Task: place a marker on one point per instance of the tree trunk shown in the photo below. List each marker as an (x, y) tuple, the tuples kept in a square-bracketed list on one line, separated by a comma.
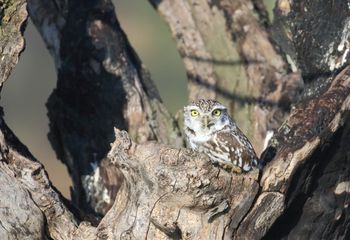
[(30, 208), (101, 84), (147, 189)]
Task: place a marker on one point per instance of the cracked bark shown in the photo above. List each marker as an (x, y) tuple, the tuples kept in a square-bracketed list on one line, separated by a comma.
[(164, 192), (30, 208)]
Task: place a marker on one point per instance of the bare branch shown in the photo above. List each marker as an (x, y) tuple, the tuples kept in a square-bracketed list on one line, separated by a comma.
[(35, 209)]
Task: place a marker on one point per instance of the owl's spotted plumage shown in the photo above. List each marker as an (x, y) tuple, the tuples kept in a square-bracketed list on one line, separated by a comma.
[(209, 129)]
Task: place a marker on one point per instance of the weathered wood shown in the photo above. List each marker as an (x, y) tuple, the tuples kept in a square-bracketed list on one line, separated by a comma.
[(171, 188), (314, 35), (18, 221), (310, 123), (19, 216), (175, 187), (324, 198), (170, 193), (13, 16), (101, 84), (308, 131), (311, 162), (31, 208)]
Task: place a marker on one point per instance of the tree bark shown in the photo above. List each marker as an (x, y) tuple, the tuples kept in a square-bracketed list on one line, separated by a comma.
[(315, 35), (30, 208), (176, 187), (101, 85), (12, 18), (151, 190)]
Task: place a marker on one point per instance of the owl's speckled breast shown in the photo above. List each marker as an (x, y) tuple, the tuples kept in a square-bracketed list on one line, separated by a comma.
[(212, 131)]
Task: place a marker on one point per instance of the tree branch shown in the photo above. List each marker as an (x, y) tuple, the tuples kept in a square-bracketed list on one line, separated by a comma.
[(43, 212), (101, 85), (13, 16), (314, 34), (166, 192), (170, 188)]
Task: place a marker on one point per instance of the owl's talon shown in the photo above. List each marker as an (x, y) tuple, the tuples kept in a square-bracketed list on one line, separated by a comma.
[(227, 166), (231, 168), (236, 169)]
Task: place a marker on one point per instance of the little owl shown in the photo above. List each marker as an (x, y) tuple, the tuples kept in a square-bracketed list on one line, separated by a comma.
[(210, 129)]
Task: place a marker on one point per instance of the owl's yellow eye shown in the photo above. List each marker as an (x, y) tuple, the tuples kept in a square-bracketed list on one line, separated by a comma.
[(216, 112), (194, 113)]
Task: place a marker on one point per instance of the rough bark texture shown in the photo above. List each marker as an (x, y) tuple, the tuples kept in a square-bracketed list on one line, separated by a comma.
[(228, 56), (174, 188), (311, 163), (101, 85), (12, 19), (29, 207), (162, 192), (314, 34)]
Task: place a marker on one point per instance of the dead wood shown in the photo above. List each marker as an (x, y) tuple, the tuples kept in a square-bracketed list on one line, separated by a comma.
[(152, 190), (101, 85)]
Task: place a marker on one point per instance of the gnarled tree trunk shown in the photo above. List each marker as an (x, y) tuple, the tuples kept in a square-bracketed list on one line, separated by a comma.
[(101, 84), (141, 189)]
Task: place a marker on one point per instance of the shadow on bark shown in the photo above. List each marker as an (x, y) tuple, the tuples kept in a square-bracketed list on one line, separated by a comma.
[(167, 192), (101, 85)]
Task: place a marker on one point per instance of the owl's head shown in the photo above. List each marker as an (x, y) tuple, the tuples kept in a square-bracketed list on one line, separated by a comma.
[(205, 116)]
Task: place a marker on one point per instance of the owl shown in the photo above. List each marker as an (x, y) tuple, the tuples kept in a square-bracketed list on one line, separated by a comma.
[(209, 129)]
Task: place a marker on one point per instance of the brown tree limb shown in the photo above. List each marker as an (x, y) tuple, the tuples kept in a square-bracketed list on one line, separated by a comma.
[(171, 188), (300, 142), (311, 123), (314, 34), (177, 193), (13, 16), (29, 206), (37, 205), (101, 85)]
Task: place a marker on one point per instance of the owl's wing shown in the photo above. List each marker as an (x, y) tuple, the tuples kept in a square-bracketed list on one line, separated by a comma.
[(232, 146)]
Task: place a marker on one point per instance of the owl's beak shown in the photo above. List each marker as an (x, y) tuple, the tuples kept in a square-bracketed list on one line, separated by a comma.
[(206, 122)]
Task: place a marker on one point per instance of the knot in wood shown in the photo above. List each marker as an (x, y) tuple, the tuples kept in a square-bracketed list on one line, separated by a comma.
[(165, 178), (127, 235), (187, 155), (120, 146), (170, 157)]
